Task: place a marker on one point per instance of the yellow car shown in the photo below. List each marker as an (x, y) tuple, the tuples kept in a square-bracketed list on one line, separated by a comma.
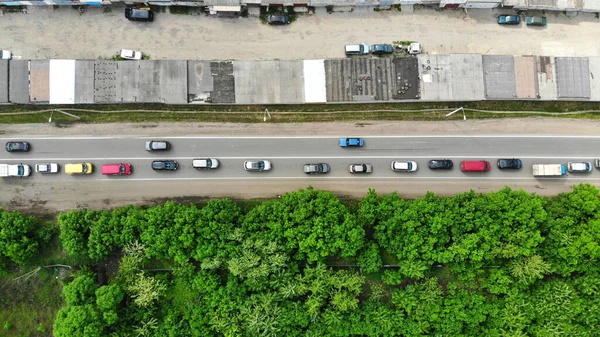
[(79, 168)]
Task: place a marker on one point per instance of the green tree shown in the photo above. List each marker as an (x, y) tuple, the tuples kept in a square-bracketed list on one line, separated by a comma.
[(75, 230), (81, 290), (78, 321), (108, 299), (19, 237), (146, 290)]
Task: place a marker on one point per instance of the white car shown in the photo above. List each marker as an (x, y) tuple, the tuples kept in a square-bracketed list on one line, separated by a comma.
[(5, 55), (579, 167), (404, 166), (361, 168), (205, 163), (131, 54), (257, 165), (46, 168)]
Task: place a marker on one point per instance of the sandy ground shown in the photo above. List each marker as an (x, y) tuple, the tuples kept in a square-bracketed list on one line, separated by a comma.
[(50, 197), (64, 33)]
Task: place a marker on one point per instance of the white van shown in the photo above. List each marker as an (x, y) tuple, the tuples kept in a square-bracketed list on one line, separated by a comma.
[(357, 49), (205, 163)]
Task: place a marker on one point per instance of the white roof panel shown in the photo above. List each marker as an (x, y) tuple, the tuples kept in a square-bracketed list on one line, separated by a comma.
[(62, 81), (315, 90)]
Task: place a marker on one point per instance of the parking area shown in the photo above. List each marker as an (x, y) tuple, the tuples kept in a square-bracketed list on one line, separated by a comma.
[(46, 33)]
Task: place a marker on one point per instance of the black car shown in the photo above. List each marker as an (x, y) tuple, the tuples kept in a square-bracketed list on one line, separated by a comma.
[(316, 168), (165, 165), (139, 14), (17, 146), (509, 163), (441, 164), (279, 20)]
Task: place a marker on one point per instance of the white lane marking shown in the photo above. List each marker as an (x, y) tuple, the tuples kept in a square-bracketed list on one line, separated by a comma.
[(126, 159), (354, 178), (367, 137)]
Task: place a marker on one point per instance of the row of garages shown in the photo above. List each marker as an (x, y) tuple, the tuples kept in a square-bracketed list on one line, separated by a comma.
[(428, 77)]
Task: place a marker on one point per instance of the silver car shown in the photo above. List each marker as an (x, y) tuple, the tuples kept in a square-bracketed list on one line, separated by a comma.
[(361, 168), (579, 167), (160, 145), (404, 166), (257, 165), (205, 163)]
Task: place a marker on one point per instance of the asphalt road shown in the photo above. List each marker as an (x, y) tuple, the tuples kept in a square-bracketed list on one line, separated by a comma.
[(289, 154)]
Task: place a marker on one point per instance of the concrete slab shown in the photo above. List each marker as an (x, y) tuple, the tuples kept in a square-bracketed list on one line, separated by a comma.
[(105, 82), (594, 77), (499, 77), (84, 81), (18, 81), (172, 81), (200, 81), (454, 77), (269, 82), (546, 77), (525, 74), (39, 90), (128, 83), (3, 81), (224, 82), (573, 77)]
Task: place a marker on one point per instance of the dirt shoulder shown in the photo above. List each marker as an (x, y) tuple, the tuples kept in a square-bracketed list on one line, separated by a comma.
[(521, 126)]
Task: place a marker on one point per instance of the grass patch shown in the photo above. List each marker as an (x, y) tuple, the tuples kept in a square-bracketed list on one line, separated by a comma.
[(28, 307), (135, 113)]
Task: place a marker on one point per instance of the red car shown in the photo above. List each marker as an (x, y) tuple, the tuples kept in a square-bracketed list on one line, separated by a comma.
[(475, 166), (116, 169)]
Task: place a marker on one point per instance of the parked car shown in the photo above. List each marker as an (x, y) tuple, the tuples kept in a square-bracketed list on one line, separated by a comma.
[(157, 145), (129, 54), (278, 20), (535, 21), (509, 163), (116, 169), (351, 142), (316, 168), (205, 163), (404, 166), (361, 168), (509, 19), (257, 165), (17, 146), (139, 14), (579, 167), (383, 48), (475, 166), (5, 55), (165, 165), (357, 49), (441, 164), (46, 168)]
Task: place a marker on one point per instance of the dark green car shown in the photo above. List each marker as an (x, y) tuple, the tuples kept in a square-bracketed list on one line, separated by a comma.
[(536, 21)]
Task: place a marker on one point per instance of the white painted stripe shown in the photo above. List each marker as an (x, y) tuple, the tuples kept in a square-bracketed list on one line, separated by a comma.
[(263, 176), (126, 159)]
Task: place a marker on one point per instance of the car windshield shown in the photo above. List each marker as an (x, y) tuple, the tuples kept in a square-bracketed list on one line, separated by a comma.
[(84, 167), (122, 168), (208, 162), (21, 170), (260, 165)]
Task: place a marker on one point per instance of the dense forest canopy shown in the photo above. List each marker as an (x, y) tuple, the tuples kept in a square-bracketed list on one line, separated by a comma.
[(505, 263)]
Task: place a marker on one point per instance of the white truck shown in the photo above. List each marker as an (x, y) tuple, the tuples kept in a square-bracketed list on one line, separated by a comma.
[(14, 170), (549, 170)]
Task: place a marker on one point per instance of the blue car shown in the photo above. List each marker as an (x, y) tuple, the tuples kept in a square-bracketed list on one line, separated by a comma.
[(346, 142), (509, 19)]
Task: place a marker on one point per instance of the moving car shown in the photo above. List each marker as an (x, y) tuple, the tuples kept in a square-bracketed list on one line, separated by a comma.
[(509, 163), (579, 167), (129, 54), (509, 19), (441, 164), (116, 169), (46, 168), (5, 55), (79, 168), (361, 168), (165, 165), (205, 163), (316, 168), (348, 142), (357, 49), (535, 21), (382, 48), (279, 20), (404, 166), (157, 145), (257, 165), (475, 166), (17, 146), (139, 14)]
